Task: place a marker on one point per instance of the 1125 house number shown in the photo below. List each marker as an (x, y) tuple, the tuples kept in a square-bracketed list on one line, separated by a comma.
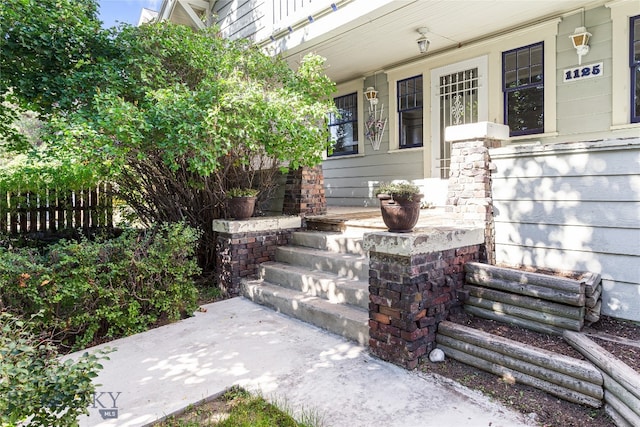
[(584, 72)]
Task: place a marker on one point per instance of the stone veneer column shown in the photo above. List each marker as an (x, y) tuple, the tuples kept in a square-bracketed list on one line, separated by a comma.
[(469, 194), (304, 192), (414, 280), (242, 245)]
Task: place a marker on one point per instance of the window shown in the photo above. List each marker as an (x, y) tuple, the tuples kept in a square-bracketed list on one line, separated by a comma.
[(343, 126), (523, 87), (410, 112), (635, 68)]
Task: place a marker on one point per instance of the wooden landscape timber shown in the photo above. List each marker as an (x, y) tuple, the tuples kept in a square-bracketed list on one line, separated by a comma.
[(566, 377), (593, 292), (621, 382), (486, 272), (592, 283), (541, 302), (592, 315), (563, 310), (526, 313), (513, 320)]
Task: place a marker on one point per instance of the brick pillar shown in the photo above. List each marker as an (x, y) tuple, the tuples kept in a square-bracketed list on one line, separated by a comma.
[(469, 194), (304, 192), (414, 281), (242, 245)]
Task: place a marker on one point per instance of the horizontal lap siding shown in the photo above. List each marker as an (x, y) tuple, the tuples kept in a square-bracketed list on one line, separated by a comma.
[(575, 208), (240, 19), (585, 106), (563, 212), (353, 181)]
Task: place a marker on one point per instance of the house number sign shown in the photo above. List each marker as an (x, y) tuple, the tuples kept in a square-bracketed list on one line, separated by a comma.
[(583, 72)]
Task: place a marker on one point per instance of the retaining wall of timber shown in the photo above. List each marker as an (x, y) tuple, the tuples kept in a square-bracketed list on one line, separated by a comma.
[(566, 377), (621, 382), (541, 302)]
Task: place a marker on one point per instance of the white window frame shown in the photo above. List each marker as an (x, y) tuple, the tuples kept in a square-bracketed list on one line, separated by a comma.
[(393, 77), (621, 12), (481, 63)]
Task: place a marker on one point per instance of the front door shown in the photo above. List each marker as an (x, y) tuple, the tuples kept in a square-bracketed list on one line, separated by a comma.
[(459, 96)]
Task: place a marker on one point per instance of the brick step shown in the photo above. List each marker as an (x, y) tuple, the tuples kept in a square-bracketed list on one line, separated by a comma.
[(315, 283), (345, 320), (351, 266)]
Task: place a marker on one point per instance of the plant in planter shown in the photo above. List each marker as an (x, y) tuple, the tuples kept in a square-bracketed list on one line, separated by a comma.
[(400, 205), (242, 202)]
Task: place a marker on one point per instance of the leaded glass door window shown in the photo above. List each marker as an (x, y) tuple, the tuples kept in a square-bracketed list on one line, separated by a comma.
[(459, 97), (458, 106)]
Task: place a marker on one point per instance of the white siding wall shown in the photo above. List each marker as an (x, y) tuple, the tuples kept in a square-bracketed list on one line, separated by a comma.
[(573, 207), (240, 19), (258, 20), (585, 106)]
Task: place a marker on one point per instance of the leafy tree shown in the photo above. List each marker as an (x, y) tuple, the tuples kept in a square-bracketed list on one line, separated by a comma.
[(172, 116), (43, 43)]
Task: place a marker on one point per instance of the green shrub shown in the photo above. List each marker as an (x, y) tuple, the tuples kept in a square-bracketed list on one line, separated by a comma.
[(88, 290), (404, 189), (35, 383)]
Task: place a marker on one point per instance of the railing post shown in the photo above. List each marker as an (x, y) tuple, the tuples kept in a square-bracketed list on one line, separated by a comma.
[(469, 194), (414, 279), (304, 192), (242, 245)]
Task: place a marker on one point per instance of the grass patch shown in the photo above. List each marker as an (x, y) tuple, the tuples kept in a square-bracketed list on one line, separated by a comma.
[(238, 408)]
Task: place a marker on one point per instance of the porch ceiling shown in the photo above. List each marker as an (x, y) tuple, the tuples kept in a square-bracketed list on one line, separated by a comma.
[(387, 36)]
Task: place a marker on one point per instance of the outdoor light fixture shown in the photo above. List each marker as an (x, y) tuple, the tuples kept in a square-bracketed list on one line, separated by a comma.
[(372, 95), (580, 40), (375, 124), (423, 41)]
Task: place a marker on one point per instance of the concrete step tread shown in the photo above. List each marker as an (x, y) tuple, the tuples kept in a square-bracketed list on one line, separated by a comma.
[(314, 252), (345, 265), (330, 241), (345, 309), (342, 319), (341, 281), (317, 283)]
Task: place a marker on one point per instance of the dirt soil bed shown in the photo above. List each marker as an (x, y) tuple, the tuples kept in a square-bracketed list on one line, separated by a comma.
[(620, 338)]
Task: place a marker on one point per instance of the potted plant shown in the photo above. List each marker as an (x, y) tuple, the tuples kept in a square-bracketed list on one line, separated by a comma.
[(400, 205), (242, 202)]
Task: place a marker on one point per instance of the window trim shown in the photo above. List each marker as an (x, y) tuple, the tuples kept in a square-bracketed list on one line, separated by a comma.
[(481, 63), (621, 11), (634, 68), (346, 88), (506, 91), (356, 150), (399, 113)]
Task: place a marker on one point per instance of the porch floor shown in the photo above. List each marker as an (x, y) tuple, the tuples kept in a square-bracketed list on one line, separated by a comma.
[(367, 219)]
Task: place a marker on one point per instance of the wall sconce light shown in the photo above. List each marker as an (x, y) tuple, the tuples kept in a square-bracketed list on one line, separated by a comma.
[(372, 95), (375, 124), (423, 41), (580, 40)]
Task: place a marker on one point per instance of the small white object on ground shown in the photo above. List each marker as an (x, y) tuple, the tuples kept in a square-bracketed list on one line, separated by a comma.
[(436, 355)]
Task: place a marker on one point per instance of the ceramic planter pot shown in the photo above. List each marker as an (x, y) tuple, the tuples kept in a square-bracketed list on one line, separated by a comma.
[(242, 207), (399, 214)]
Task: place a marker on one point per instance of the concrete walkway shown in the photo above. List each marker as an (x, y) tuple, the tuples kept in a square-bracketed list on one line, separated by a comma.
[(163, 370)]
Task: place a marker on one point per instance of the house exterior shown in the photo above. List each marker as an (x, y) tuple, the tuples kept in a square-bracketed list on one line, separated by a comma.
[(566, 184)]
